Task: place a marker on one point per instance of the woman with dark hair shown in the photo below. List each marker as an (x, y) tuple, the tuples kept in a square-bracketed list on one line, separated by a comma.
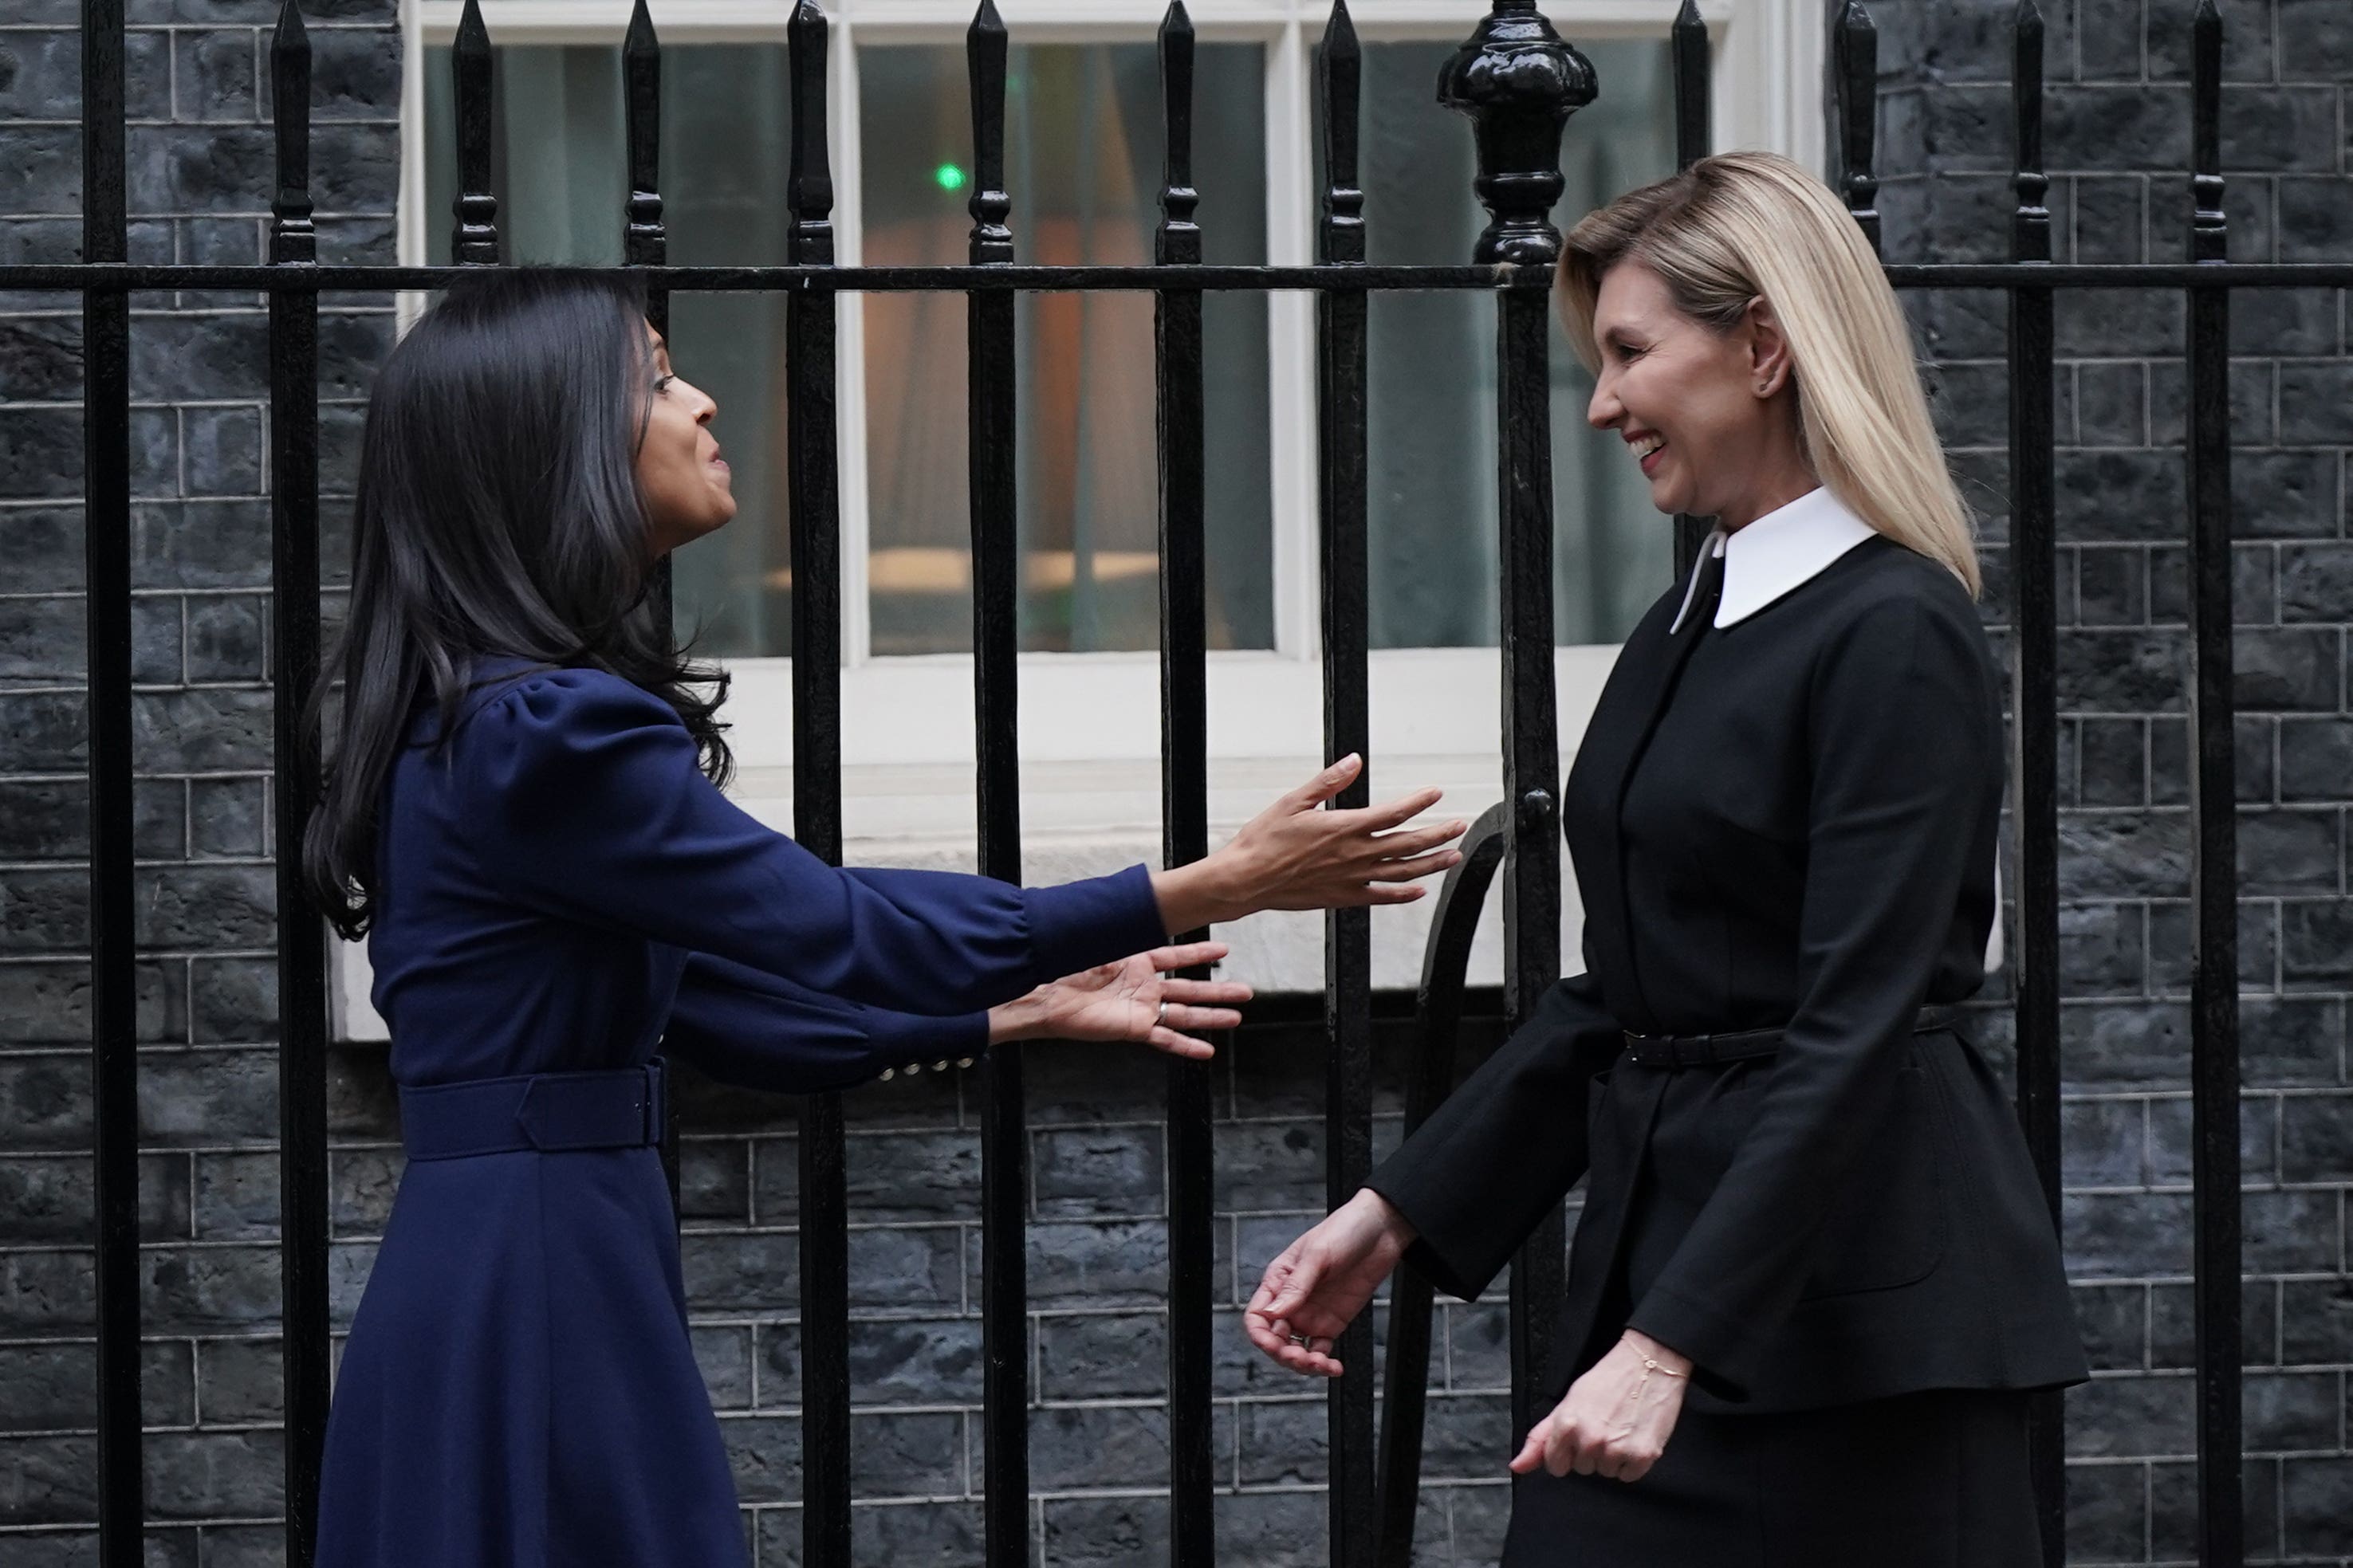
[(522, 814)]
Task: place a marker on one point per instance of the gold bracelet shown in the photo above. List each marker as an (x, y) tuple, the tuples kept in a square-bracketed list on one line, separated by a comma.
[(1651, 1365)]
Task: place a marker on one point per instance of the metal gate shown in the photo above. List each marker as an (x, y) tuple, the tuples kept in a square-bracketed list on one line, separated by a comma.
[(1517, 82)]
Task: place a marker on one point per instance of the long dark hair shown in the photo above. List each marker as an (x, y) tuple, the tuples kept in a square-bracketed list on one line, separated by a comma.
[(498, 514)]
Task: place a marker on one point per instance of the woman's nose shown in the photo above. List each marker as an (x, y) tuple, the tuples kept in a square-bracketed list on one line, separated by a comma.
[(1602, 410)]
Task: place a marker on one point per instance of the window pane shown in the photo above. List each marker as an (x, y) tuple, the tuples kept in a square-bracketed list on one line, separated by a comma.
[(1432, 401), (1083, 161), (724, 140)]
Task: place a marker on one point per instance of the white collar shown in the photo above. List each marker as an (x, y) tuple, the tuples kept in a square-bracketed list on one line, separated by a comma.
[(1780, 551)]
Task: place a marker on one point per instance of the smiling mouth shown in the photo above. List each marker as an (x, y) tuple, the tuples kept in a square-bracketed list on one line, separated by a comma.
[(1646, 451)]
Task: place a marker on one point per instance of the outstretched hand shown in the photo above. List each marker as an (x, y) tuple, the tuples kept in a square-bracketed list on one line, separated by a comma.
[(1323, 1280), (1134, 999), (1299, 854)]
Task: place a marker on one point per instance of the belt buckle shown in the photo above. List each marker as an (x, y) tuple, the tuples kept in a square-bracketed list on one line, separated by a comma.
[(657, 1101)]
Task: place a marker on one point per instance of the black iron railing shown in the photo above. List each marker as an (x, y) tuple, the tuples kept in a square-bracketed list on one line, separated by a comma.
[(1518, 83)]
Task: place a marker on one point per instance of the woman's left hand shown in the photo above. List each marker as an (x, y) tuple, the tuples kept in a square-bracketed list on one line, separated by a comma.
[(1134, 999), (1615, 1420)]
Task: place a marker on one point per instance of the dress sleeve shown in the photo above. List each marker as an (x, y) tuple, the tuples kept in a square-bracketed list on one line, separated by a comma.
[(1905, 721), (587, 805), (745, 1028), (1472, 1206)]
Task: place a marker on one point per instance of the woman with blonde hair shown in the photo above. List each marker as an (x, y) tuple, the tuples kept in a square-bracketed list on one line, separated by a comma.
[(1814, 1277)]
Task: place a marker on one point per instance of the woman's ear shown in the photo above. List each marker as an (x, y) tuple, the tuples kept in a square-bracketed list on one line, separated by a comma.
[(1769, 364)]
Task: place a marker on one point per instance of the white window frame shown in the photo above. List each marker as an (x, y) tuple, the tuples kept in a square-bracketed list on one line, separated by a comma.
[(901, 711)]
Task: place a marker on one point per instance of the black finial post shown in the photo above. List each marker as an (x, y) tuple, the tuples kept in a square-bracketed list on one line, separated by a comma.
[(1519, 83), (991, 204), (1339, 82), (808, 190), (644, 241), (1857, 65), (2031, 223), (291, 236), (1178, 240), (475, 239), (1693, 72)]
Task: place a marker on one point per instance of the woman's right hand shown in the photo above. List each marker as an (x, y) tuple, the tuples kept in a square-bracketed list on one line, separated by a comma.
[(1294, 856), (1323, 1280)]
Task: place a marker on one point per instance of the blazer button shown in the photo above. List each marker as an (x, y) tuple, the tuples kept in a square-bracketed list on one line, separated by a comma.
[(941, 1065), (965, 1062), (889, 1073), (913, 1067)]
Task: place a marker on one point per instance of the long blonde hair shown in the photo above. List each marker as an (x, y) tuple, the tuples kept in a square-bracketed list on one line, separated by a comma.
[(1739, 226)]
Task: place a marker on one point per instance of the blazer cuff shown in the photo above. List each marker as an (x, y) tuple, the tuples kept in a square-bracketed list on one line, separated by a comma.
[(1437, 1253), (1719, 1348), (901, 1043), (1077, 925)]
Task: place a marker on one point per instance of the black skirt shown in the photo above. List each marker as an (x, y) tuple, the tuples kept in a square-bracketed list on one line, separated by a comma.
[(1924, 1480)]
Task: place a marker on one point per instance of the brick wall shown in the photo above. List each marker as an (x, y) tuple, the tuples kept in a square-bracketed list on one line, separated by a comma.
[(1098, 1262), (2117, 138)]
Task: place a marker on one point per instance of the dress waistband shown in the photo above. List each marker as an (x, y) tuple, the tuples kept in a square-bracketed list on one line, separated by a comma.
[(1676, 1051), (623, 1108)]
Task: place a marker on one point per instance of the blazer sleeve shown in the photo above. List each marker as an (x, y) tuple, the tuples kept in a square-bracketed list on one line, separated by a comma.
[(1475, 1178), (1905, 743), (587, 805), (743, 1026)]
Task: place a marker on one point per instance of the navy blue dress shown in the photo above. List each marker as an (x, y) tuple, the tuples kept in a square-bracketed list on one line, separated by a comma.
[(561, 890)]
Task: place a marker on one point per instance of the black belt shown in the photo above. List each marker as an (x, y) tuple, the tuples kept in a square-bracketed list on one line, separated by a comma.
[(550, 1111), (1674, 1051)]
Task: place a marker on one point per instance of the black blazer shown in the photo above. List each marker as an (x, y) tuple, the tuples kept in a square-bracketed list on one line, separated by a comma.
[(1787, 821)]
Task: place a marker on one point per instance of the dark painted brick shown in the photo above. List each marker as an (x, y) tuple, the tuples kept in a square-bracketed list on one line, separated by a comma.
[(207, 906), (226, 817), (2317, 403), (2316, 943), (2316, 39), (210, 1097), (203, 1289), (2170, 927), (2316, 582), (2316, 1138), (2114, 1044), (224, 451), (227, 639), (43, 548), (364, 1183), (2317, 1495), (2293, 851), (2171, 1140), (2286, 1041), (40, 452), (45, 820), (1111, 1171), (200, 545), (2292, 1233), (2104, 1143), (2114, 762), (2134, 1415), (2103, 949), (215, 73), (158, 642), (2122, 672), (2111, 405), (2287, 669), (2112, 127), (2316, 1321), (2283, 494), (2114, 1323), (2140, 854)]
